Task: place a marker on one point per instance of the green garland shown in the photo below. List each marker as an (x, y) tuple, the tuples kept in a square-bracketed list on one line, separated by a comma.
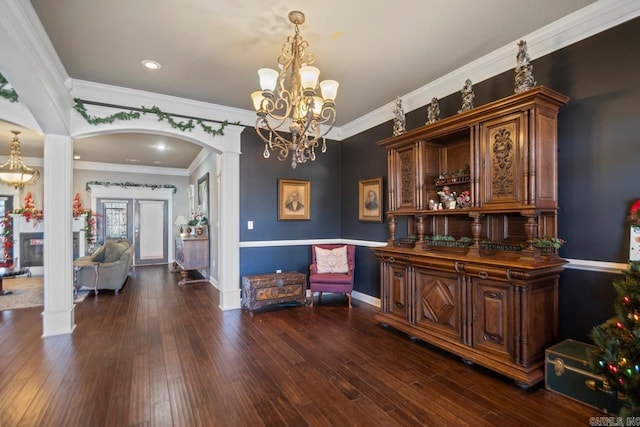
[(132, 115), (130, 185), (184, 126), (9, 94)]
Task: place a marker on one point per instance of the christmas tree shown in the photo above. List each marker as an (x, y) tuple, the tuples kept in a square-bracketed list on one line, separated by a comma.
[(618, 339)]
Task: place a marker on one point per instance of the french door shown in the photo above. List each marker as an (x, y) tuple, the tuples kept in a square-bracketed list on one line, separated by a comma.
[(142, 222)]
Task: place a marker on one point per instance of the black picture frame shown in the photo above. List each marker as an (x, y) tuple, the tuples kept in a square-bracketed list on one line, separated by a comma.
[(203, 195)]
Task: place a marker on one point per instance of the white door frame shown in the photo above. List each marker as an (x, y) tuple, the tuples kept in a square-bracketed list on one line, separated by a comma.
[(103, 192)]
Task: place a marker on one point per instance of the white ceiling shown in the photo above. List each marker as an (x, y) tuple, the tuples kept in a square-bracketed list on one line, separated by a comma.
[(210, 51)]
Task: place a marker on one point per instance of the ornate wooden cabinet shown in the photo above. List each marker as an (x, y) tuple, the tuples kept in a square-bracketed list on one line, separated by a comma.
[(469, 276)]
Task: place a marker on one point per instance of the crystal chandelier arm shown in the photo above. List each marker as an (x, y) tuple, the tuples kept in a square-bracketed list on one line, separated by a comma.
[(327, 117), (266, 134)]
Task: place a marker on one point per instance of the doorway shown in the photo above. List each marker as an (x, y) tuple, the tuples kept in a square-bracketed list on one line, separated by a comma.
[(151, 232), (142, 222)]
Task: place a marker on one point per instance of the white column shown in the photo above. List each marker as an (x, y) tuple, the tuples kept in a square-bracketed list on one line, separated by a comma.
[(229, 233), (59, 312)]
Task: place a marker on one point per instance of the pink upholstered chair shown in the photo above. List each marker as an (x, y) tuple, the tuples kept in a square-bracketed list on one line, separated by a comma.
[(330, 271)]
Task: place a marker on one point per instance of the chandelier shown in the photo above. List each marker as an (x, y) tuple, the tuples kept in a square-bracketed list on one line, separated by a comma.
[(289, 97), (14, 172)]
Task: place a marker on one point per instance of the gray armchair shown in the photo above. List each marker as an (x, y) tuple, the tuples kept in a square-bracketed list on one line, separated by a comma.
[(113, 259)]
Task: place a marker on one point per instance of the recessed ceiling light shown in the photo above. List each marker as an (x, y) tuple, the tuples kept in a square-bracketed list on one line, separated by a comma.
[(76, 157), (151, 64), (133, 160), (161, 147), (157, 162)]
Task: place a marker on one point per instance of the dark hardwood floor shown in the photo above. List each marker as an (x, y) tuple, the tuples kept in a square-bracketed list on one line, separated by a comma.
[(157, 354)]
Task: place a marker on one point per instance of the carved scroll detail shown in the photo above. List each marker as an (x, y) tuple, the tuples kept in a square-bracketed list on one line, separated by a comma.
[(503, 163), (407, 177)]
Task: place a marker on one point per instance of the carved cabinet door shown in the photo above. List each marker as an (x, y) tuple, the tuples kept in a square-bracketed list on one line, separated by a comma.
[(492, 316), (405, 177), (438, 303), (395, 289), (504, 157)]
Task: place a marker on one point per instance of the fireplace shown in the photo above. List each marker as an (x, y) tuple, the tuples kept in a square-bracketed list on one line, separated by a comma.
[(31, 249)]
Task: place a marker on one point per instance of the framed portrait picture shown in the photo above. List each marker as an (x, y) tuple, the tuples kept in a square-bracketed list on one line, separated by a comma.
[(294, 200), (203, 195), (370, 200)]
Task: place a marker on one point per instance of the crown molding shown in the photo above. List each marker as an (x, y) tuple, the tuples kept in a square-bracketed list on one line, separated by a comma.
[(26, 46), (133, 98), (200, 158), (128, 169), (584, 23)]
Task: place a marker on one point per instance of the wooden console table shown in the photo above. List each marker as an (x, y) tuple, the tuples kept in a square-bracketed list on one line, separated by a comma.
[(192, 253), (267, 289)]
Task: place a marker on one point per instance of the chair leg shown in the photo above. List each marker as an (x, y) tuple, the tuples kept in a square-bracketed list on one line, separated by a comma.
[(349, 299), (311, 300)]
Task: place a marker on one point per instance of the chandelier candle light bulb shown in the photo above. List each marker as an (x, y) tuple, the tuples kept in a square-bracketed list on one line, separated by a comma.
[(268, 79), (298, 105)]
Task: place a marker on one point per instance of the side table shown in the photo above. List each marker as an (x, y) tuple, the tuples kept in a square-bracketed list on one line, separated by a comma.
[(77, 266)]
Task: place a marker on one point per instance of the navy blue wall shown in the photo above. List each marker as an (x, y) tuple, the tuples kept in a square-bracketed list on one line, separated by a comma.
[(259, 203), (259, 193), (363, 159), (598, 162)]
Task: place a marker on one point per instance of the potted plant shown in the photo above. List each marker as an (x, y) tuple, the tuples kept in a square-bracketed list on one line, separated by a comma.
[(197, 224), (548, 245)]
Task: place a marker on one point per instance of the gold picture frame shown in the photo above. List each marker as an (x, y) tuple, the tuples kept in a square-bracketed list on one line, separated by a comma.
[(370, 199), (294, 200)]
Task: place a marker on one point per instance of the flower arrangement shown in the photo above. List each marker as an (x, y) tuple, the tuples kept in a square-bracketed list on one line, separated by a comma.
[(197, 220), (634, 214), (29, 211)]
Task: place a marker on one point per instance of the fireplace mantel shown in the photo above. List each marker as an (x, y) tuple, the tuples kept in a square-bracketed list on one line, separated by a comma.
[(21, 226)]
